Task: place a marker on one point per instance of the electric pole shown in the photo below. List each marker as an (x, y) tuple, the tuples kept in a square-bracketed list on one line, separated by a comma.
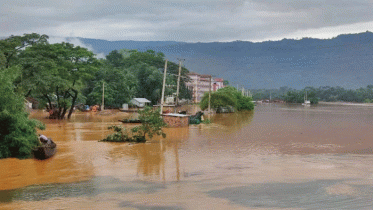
[(210, 96), (164, 85), (178, 82), (103, 96)]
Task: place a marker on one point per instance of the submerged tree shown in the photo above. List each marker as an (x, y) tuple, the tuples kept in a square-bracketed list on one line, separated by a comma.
[(151, 124)]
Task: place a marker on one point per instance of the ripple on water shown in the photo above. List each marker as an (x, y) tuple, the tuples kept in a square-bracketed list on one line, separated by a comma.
[(320, 194), (93, 187)]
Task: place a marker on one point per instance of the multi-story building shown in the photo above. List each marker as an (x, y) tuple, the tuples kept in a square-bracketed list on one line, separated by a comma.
[(199, 84)]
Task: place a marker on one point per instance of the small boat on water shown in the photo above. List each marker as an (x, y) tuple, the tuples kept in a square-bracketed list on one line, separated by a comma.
[(130, 121), (45, 151)]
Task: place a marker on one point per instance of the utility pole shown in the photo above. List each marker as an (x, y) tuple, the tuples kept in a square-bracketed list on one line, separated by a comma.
[(196, 94), (178, 83), (164, 85), (210, 96), (103, 96)]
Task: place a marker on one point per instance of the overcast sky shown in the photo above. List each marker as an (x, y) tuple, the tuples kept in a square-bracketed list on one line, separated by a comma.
[(188, 21)]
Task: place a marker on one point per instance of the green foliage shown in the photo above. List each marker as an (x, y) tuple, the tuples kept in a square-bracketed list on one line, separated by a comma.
[(2, 60), (13, 45), (228, 96), (293, 97), (151, 124), (115, 59), (120, 87), (120, 135), (244, 103), (150, 82), (207, 121), (331, 94), (314, 100), (218, 99), (56, 72), (129, 74), (18, 133)]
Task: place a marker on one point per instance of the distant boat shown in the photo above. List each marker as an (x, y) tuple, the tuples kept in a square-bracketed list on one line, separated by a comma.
[(306, 102), (45, 151)]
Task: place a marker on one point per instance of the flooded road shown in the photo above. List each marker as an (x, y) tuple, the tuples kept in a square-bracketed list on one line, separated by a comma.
[(277, 157)]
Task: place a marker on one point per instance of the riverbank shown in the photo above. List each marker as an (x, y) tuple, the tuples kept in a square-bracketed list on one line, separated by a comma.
[(346, 103)]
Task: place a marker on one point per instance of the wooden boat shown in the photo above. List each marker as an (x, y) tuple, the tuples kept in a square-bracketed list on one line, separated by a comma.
[(130, 121), (45, 151)]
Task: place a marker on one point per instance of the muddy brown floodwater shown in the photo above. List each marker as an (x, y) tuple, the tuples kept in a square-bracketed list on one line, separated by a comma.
[(277, 157)]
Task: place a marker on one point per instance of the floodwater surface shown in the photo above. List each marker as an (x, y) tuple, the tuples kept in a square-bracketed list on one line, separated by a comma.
[(276, 157)]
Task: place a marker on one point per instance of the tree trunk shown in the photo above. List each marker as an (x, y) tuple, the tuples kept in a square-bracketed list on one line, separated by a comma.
[(75, 96), (62, 116), (49, 101)]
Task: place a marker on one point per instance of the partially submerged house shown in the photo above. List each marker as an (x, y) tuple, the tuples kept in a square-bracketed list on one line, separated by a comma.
[(140, 102)]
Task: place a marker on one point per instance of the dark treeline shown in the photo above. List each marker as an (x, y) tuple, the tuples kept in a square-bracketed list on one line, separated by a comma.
[(323, 93)]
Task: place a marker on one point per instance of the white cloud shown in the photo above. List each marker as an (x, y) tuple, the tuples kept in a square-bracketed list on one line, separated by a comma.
[(251, 20)]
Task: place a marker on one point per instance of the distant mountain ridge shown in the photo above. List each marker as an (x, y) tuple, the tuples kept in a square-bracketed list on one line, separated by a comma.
[(346, 60)]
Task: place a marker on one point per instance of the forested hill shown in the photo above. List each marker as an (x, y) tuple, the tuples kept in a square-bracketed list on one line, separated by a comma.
[(346, 60)]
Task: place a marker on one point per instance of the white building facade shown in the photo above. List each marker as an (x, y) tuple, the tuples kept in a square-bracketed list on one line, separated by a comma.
[(199, 84)]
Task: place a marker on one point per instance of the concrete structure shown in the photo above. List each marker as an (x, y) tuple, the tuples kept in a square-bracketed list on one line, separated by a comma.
[(199, 84), (140, 102)]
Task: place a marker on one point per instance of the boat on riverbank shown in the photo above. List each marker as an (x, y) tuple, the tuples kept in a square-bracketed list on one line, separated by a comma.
[(45, 151)]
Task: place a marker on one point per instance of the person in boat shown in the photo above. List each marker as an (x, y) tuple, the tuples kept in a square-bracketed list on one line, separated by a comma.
[(43, 139)]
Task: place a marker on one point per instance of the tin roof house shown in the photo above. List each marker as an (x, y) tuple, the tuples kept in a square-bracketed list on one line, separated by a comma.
[(140, 102)]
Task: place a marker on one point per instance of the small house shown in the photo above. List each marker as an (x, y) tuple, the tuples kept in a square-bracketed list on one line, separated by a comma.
[(140, 102)]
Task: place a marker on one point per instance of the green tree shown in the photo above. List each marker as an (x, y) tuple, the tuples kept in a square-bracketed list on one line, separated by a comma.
[(227, 96), (115, 58), (150, 82), (2, 60), (13, 45), (218, 99), (18, 134), (120, 87), (135, 61), (151, 124), (57, 72)]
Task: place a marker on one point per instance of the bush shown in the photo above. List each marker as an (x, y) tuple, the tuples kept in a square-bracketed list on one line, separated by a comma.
[(18, 133), (228, 96), (151, 124)]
